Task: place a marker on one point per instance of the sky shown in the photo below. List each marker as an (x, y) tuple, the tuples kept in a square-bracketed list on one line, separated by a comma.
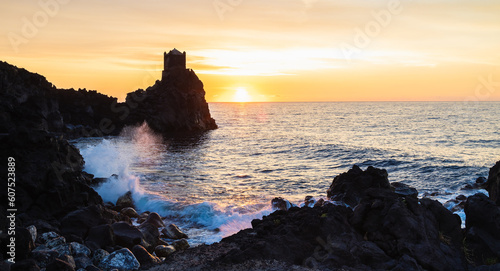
[(264, 50)]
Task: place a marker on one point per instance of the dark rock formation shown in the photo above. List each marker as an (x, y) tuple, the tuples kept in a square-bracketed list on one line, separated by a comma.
[(493, 184), (173, 232), (482, 240), (385, 231), (145, 259), (351, 187), (126, 235), (174, 104)]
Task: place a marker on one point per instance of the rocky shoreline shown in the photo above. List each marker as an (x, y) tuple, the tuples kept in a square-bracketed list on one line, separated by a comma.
[(61, 223)]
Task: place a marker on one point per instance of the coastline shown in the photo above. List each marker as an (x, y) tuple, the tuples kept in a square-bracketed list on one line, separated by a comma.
[(365, 223)]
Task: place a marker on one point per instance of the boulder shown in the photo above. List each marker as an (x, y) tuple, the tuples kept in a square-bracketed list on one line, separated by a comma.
[(173, 232), (164, 251), (180, 244), (155, 220), (493, 184), (123, 260), (151, 236), (351, 187), (145, 259), (125, 201), (404, 190), (482, 240), (130, 212), (102, 235), (127, 235), (80, 221)]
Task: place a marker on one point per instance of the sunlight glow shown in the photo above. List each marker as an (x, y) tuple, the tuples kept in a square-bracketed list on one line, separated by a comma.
[(241, 96)]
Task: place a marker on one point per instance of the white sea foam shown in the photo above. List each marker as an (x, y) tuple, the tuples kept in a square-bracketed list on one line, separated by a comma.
[(205, 222)]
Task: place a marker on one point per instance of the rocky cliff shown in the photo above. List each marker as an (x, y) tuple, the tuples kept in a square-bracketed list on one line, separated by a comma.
[(174, 104)]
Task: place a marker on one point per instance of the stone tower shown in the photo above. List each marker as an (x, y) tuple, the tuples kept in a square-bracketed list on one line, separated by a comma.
[(173, 60)]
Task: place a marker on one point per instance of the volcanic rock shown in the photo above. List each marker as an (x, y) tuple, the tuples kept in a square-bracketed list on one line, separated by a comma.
[(493, 184), (351, 187)]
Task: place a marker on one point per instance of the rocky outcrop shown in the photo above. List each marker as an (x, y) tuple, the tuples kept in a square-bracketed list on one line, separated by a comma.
[(493, 183), (51, 182), (174, 104), (352, 186), (482, 240), (385, 227)]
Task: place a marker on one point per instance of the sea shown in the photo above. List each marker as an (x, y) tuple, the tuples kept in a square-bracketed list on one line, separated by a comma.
[(214, 184)]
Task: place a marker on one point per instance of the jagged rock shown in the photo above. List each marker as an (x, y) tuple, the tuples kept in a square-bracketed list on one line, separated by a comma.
[(130, 212), (173, 232), (125, 201), (33, 232), (151, 236), (164, 251), (45, 237), (98, 256), (180, 244), (80, 221), (493, 184), (174, 104), (102, 235), (122, 259), (280, 204), (53, 182), (126, 235), (145, 259), (56, 242), (79, 250), (385, 231), (404, 190), (482, 240), (351, 187), (155, 220)]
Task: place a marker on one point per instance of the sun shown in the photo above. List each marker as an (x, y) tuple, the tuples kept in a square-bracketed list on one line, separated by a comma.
[(241, 96)]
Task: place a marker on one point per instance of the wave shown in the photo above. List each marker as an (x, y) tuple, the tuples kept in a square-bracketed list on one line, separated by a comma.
[(205, 222)]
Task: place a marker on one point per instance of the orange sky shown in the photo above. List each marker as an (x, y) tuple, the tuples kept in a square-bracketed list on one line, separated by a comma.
[(294, 50)]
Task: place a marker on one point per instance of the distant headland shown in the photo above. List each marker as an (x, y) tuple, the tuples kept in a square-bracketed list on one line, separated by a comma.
[(174, 104)]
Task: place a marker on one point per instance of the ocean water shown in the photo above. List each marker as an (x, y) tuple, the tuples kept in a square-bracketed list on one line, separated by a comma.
[(212, 185)]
